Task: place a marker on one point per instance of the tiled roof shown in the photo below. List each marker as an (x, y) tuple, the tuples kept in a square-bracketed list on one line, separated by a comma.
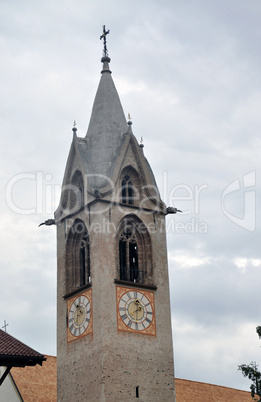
[(37, 383), (201, 392), (13, 352)]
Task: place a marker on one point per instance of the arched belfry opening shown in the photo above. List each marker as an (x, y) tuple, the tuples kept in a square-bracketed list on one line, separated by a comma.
[(78, 269), (130, 186), (134, 248)]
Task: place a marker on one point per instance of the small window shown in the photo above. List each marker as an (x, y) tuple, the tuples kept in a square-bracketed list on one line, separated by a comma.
[(129, 186), (127, 192)]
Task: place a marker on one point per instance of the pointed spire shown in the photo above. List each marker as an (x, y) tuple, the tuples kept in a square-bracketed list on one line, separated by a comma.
[(107, 124)]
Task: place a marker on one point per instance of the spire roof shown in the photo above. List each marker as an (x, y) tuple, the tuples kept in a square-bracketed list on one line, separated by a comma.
[(107, 124)]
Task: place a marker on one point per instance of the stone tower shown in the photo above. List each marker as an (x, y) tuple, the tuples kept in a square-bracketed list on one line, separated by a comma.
[(114, 340)]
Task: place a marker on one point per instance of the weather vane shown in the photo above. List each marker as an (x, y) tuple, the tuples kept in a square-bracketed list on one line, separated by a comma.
[(105, 33)]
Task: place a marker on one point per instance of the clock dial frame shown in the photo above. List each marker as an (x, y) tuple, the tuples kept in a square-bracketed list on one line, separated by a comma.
[(79, 313), (135, 310)]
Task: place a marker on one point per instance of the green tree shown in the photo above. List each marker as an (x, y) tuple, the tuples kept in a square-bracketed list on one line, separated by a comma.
[(251, 371)]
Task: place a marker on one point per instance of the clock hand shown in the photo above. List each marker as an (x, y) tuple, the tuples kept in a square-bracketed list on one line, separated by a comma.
[(135, 311), (77, 314)]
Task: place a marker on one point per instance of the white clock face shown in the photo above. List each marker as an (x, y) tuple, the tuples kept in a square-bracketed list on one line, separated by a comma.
[(79, 315), (135, 310)]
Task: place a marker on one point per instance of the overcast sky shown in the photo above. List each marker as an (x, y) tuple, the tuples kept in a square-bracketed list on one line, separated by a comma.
[(188, 72)]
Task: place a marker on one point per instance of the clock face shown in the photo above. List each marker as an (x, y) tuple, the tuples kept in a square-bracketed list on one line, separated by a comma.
[(136, 311), (79, 316)]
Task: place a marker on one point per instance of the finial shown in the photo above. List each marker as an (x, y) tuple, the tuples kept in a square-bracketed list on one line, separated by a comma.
[(129, 124), (74, 129), (103, 36), (141, 142)]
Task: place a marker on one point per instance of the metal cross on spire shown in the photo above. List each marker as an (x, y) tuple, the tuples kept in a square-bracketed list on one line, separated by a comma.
[(5, 325), (105, 33)]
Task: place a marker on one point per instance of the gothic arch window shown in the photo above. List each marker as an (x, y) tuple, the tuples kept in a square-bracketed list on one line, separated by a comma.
[(135, 257), (78, 269), (127, 192), (129, 261), (130, 185)]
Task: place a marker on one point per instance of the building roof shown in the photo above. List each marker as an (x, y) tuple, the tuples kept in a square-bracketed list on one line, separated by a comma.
[(199, 391), (16, 354), (37, 383)]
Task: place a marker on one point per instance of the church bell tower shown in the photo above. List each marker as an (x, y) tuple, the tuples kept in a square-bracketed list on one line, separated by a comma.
[(114, 340)]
